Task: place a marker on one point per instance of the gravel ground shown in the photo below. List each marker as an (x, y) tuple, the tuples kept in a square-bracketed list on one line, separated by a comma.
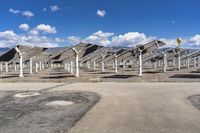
[(31, 115)]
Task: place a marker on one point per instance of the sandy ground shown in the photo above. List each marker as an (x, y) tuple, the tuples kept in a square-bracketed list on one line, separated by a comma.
[(134, 107)]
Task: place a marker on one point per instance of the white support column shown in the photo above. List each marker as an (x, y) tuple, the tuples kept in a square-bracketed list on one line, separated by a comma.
[(21, 66), (6, 65), (174, 62), (140, 63), (179, 61), (164, 63), (36, 67), (116, 64), (102, 66), (15, 67), (65, 66), (124, 64), (195, 62), (188, 63), (198, 61), (159, 64), (102, 63), (71, 67), (40, 65), (1, 67), (154, 65), (94, 65), (113, 64), (77, 62), (77, 66), (68, 67), (88, 65), (31, 66), (20, 63)]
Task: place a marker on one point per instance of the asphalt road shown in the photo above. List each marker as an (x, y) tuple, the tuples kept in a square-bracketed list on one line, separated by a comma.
[(38, 113), (137, 107)]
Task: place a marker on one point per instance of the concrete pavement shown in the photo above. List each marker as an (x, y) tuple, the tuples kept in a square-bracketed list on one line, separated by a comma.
[(134, 107), (140, 108)]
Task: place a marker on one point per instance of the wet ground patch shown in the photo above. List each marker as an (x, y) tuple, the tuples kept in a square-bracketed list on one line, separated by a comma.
[(35, 113)]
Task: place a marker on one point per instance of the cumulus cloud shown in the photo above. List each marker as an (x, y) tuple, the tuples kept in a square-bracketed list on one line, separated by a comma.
[(195, 40), (14, 11), (131, 39), (27, 14), (11, 39), (46, 28), (59, 40), (72, 40), (24, 27), (43, 28), (101, 13), (54, 8), (23, 13), (100, 37), (34, 32)]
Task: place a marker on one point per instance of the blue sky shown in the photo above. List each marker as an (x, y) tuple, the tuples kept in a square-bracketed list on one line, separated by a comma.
[(118, 22)]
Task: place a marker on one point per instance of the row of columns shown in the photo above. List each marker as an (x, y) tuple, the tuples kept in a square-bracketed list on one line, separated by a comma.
[(187, 62)]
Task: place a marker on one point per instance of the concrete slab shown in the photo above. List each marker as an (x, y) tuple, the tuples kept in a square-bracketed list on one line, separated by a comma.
[(140, 108), (135, 107)]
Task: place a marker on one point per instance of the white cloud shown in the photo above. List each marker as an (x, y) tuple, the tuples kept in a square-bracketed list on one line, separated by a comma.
[(46, 28), (169, 42), (23, 13), (131, 39), (101, 38), (44, 9), (195, 40), (101, 13), (11, 39), (14, 11), (54, 8), (72, 40), (27, 14), (24, 27), (43, 28), (59, 40), (7, 34), (33, 32)]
